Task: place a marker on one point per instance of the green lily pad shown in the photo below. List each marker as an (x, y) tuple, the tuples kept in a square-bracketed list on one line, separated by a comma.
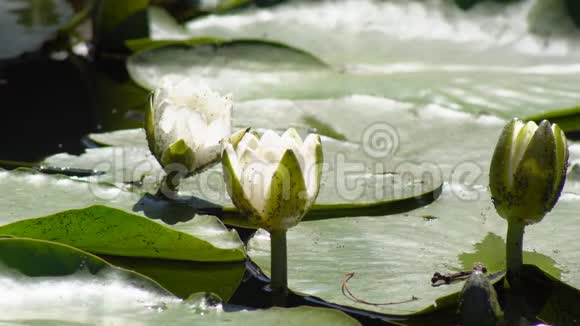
[(181, 315), (55, 284), (568, 119), (183, 278), (492, 251), (108, 231), (116, 302), (405, 251), (37, 258), (405, 248), (269, 63), (470, 67), (444, 111), (183, 263)]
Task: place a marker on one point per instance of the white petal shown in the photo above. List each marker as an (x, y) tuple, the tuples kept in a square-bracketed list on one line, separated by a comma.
[(290, 136), (270, 139), (217, 131), (271, 148), (292, 141), (527, 130), (182, 123), (249, 141), (159, 96), (256, 179)]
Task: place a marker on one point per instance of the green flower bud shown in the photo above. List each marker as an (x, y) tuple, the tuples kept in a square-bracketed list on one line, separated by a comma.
[(186, 124), (274, 180), (528, 170)]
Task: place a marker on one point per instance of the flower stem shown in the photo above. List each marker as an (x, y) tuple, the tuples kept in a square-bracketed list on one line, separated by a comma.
[(515, 238), (279, 267), (515, 300)]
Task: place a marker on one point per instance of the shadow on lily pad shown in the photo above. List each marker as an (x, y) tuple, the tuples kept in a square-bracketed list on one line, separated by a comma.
[(172, 211)]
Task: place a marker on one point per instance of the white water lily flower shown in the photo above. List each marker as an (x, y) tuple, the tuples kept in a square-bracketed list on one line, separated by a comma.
[(528, 170), (274, 180), (186, 123)]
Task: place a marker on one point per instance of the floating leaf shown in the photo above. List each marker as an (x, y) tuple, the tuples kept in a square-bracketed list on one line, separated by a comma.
[(519, 71), (567, 119), (108, 231), (262, 59), (394, 258), (38, 258), (491, 252)]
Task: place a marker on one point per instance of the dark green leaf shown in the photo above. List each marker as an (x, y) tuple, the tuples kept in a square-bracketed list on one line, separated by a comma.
[(568, 119), (183, 278), (109, 231), (36, 258)]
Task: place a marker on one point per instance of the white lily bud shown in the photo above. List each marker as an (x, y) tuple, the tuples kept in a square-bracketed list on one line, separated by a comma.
[(528, 170), (186, 123), (274, 180)]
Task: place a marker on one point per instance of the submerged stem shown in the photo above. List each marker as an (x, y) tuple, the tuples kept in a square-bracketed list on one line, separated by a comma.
[(279, 267), (515, 239)]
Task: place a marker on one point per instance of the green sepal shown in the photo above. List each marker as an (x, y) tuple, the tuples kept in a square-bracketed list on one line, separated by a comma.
[(287, 197), (498, 171), (178, 153), (236, 137), (236, 191), (562, 156)]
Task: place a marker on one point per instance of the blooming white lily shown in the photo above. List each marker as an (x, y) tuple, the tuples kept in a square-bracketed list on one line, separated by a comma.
[(528, 170), (186, 123), (274, 180)]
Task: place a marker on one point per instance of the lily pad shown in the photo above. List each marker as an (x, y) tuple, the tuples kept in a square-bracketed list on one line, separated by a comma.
[(182, 315), (568, 119), (394, 258), (269, 63), (515, 67), (405, 248), (108, 231), (492, 251), (182, 278), (35, 302), (55, 284), (37, 258), (183, 263)]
